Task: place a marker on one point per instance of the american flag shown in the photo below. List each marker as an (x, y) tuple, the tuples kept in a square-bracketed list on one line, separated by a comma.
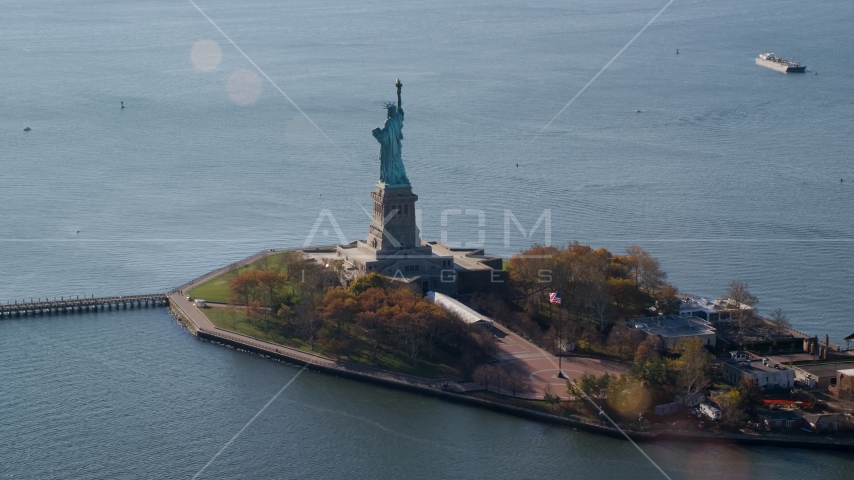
[(554, 297)]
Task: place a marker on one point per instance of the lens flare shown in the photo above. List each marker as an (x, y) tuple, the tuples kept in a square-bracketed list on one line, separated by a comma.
[(206, 55), (244, 87)]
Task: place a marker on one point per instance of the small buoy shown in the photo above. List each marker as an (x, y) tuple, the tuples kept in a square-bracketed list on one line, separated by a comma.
[(637, 111), (677, 51), (815, 73), (123, 104), (78, 232), (517, 165), (27, 129)]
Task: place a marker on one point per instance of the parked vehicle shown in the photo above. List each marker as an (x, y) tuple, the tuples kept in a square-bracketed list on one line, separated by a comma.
[(712, 412)]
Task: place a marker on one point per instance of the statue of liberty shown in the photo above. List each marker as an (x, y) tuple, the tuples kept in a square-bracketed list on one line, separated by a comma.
[(392, 172)]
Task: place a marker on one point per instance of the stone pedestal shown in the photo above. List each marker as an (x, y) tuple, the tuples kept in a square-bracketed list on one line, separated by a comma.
[(393, 225)]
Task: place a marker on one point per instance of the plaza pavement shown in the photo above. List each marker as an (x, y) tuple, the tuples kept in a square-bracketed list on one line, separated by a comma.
[(520, 356)]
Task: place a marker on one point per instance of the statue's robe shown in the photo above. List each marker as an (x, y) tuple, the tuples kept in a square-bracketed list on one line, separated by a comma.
[(390, 136)]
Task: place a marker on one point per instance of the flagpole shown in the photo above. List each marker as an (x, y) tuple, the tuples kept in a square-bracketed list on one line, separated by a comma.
[(559, 347)]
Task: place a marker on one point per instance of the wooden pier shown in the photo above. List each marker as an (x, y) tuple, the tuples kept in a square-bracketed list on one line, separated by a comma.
[(64, 305)]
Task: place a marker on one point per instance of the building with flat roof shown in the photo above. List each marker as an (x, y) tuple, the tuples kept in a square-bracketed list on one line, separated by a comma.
[(820, 375), (781, 418), (765, 376), (674, 329), (717, 310), (459, 310), (825, 422)]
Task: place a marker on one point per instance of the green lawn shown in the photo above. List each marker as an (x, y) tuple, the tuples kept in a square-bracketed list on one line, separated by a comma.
[(359, 351), (216, 289)]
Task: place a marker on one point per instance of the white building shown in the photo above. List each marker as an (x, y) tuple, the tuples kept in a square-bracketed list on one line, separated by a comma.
[(716, 310), (458, 309), (765, 376), (675, 329)]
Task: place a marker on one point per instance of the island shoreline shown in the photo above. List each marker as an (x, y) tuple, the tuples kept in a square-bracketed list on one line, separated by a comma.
[(647, 437)]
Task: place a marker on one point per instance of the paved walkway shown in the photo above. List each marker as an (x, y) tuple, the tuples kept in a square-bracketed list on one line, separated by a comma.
[(520, 356)]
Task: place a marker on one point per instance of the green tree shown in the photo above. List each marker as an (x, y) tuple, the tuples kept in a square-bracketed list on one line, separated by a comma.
[(270, 282), (731, 404), (595, 387), (655, 371), (365, 282), (749, 391), (627, 395)]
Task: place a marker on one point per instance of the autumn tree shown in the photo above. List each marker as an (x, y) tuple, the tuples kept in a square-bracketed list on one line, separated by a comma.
[(846, 388), (739, 298), (694, 366), (780, 321), (374, 326), (668, 303), (245, 287), (485, 375), (516, 383), (435, 328), (254, 310), (623, 341), (339, 309), (410, 332), (649, 349), (308, 321), (534, 272), (645, 269)]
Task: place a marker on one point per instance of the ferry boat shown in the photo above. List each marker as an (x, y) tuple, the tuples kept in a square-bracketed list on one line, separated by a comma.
[(771, 61)]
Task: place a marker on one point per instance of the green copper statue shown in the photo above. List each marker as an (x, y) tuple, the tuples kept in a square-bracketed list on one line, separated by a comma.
[(392, 173)]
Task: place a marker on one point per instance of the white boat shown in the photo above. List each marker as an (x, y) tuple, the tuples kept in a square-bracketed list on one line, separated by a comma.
[(771, 61)]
